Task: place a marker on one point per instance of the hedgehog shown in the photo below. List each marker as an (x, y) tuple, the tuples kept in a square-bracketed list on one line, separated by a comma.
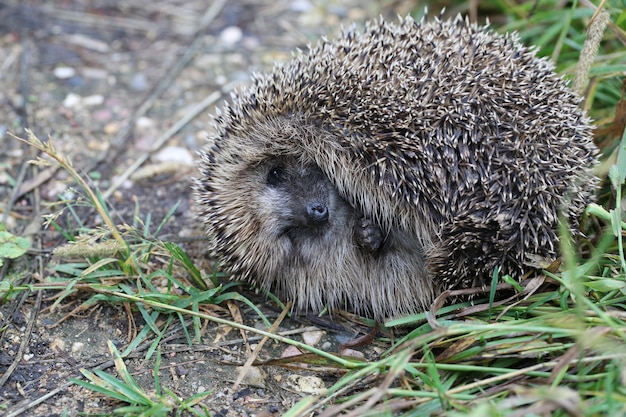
[(387, 165)]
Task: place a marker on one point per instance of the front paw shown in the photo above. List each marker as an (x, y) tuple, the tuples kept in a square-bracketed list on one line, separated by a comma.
[(368, 235)]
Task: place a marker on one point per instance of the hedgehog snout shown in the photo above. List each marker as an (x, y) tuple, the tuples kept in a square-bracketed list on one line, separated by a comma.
[(317, 212)]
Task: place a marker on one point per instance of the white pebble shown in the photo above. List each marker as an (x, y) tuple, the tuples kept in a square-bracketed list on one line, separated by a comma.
[(94, 100), (64, 73), (71, 100), (312, 338), (301, 6), (231, 35), (353, 353), (174, 154), (144, 123)]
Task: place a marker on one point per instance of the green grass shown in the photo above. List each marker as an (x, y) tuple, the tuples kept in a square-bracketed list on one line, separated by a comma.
[(560, 352), (160, 403)]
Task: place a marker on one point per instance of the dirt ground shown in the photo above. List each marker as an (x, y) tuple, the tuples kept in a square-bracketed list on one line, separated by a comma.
[(115, 82)]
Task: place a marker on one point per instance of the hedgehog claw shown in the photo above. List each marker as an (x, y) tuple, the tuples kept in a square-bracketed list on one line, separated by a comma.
[(368, 235)]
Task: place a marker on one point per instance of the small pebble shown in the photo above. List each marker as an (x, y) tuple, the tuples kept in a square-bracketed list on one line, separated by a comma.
[(312, 338), (71, 100), (76, 82), (353, 353), (144, 123), (88, 42), (174, 154), (231, 35), (139, 82), (221, 79), (181, 370), (290, 351), (111, 128), (102, 115), (95, 73), (94, 100), (255, 377), (306, 384), (241, 393), (301, 6), (64, 73)]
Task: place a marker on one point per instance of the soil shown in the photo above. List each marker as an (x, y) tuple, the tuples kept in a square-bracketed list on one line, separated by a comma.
[(109, 83)]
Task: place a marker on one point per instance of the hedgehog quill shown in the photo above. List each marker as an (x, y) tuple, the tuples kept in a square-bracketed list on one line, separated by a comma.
[(382, 167)]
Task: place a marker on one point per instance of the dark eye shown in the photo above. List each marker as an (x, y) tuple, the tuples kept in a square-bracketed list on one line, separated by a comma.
[(275, 176)]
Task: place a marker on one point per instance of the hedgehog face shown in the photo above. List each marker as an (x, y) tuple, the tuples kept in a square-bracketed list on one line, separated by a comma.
[(301, 209)]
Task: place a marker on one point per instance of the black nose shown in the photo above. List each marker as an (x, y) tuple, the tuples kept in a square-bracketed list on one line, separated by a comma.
[(317, 212)]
